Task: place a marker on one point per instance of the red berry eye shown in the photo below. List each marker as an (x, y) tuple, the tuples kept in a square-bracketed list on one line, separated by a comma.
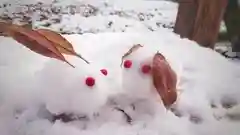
[(90, 81), (146, 69), (104, 71), (127, 64)]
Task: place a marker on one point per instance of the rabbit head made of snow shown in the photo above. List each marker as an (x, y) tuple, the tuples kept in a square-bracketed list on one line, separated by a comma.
[(147, 73), (79, 90), (136, 74)]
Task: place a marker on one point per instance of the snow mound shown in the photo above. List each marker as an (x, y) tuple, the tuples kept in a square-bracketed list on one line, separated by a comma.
[(35, 89)]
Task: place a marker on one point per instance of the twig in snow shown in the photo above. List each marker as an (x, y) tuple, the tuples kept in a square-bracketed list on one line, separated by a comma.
[(128, 118)]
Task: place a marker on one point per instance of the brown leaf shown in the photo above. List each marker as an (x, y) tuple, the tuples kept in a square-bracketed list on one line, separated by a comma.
[(3, 28), (130, 51), (63, 45), (164, 80), (35, 42), (60, 42)]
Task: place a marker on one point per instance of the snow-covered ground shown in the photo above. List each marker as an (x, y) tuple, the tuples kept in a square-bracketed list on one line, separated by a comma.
[(93, 16), (34, 89)]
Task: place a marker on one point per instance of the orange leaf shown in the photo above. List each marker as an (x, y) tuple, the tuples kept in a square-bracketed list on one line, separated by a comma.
[(130, 51), (60, 42), (164, 80), (35, 42)]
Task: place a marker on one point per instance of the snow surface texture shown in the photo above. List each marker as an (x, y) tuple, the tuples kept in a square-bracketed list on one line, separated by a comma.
[(91, 16), (33, 88)]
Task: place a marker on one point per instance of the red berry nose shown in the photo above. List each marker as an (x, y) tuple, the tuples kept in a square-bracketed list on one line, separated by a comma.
[(104, 71), (127, 64), (146, 69), (90, 81)]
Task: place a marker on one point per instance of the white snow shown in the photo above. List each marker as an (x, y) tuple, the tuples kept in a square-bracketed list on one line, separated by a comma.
[(94, 16), (32, 86)]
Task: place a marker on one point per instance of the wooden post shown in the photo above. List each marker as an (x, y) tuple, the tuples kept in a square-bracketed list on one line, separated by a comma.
[(187, 12), (199, 20)]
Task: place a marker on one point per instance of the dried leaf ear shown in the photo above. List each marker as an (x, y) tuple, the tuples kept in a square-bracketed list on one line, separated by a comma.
[(130, 51), (35, 42), (60, 42), (164, 80), (44, 42)]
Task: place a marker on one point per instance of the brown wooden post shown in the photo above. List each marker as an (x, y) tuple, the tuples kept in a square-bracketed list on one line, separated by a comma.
[(199, 20), (187, 11)]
